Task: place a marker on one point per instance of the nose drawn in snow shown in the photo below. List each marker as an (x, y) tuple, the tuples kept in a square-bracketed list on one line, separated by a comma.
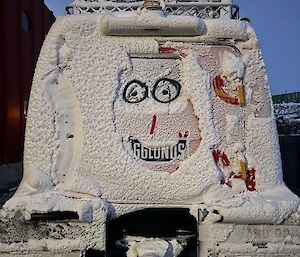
[(153, 125)]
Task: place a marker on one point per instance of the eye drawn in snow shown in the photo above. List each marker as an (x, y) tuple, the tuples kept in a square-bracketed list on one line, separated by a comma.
[(166, 90), (135, 91), (154, 116)]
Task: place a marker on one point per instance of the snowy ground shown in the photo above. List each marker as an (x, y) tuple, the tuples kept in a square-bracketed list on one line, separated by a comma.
[(288, 118), (287, 111)]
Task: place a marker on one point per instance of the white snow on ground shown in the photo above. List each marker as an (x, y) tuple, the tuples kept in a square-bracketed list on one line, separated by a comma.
[(287, 111)]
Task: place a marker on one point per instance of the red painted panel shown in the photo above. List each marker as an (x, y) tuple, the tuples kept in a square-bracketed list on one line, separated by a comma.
[(2, 88), (26, 61), (19, 51), (12, 136)]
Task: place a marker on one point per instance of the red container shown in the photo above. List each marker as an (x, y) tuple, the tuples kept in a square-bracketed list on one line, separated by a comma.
[(23, 26)]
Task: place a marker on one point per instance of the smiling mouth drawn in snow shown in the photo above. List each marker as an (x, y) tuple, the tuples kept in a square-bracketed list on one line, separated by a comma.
[(159, 153)]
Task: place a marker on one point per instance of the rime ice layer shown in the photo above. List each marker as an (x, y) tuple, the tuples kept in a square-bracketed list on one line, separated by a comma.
[(75, 149)]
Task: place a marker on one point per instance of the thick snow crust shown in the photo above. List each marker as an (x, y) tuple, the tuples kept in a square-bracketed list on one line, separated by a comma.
[(148, 23), (75, 150), (143, 247), (100, 3), (259, 240)]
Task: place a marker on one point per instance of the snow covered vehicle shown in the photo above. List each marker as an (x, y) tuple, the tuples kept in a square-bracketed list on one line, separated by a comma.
[(150, 129)]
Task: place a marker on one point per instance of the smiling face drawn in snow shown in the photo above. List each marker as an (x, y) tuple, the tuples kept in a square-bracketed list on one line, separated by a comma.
[(154, 116)]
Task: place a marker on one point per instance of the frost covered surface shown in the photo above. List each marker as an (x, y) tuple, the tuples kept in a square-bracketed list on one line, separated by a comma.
[(56, 202), (225, 29), (143, 247), (259, 240), (22, 235), (287, 111), (150, 23), (77, 149)]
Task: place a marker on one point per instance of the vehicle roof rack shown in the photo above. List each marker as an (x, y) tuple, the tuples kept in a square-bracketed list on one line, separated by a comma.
[(204, 9)]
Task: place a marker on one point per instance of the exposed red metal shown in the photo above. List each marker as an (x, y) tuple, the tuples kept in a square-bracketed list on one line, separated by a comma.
[(183, 134), (237, 176), (19, 50), (224, 159), (154, 120), (221, 156), (167, 50), (218, 84), (170, 50), (251, 182), (216, 155)]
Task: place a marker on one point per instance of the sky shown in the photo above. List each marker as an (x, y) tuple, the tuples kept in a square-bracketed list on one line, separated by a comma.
[(277, 25)]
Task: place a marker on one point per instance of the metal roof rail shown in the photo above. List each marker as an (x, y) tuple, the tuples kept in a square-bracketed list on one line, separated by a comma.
[(204, 9)]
